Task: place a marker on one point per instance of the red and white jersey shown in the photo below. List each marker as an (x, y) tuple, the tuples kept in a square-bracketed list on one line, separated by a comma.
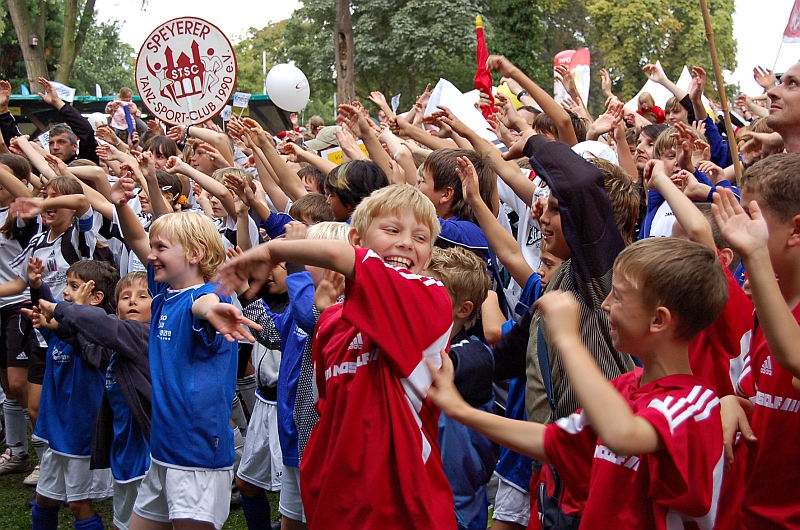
[(677, 487), (373, 459), (716, 348), (772, 487)]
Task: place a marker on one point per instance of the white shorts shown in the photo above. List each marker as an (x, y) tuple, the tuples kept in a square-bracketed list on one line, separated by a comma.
[(124, 499), (69, 479), (167, 493), (511, 504), (290, 504), (262, 462)]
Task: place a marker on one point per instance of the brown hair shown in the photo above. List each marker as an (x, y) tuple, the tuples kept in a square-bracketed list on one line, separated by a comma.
[(104, 276), (20, 168), (685, 277), (128, 280), (312, 207), (544, 124), (464, 275), (442, 165), (775, 181), (625, 199), (125, 92)]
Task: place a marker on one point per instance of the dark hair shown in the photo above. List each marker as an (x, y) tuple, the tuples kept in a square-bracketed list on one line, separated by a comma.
[(104, 276), (652, 131), (18, 165), (355, 180), (310, 172), (63, 128), (442, 165), (545, 124), (311, 206), (162, 145), (169, 183)]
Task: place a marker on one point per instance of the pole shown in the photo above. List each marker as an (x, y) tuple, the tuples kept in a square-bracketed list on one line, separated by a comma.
[(723, 99), (777, 55), (264, 68)]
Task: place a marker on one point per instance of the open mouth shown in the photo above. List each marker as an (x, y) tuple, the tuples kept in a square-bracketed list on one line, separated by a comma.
[(398, 261)]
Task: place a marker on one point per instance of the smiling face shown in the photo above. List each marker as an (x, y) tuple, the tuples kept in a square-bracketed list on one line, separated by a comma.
[(784, 110), (644, 151), (134, 303), (628, 318), (399, 239), (202, 162), (550, 222), (58, 219), (169, 262), (677, 114)]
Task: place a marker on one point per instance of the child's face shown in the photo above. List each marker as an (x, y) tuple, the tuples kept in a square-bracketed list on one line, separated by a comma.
[(59, 218), (778, 241), (134, 303), (550, 222), (644, 104), (216, 208), (548, 267), (202, 162), (310, 184), (628, 318), (670, 160), (71, 289), (169, 261), (144, 200), (428, 188), (160, 159), (677, 114), (276, 283), (340, 212), (644, 151), (399, 239)]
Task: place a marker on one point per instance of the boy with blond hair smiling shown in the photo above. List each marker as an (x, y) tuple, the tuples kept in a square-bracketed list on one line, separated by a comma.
[(369, 358)]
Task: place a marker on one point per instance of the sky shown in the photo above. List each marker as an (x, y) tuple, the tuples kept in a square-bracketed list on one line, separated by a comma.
[(757, 26)]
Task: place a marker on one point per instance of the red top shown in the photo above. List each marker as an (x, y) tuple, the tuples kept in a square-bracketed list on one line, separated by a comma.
[(655, 109), (716, 348), (373, 460), (772, 490), (651, 491)]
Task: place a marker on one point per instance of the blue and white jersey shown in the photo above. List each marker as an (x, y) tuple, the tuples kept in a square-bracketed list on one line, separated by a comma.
[(71, 394), (130, 450), (193, 369)]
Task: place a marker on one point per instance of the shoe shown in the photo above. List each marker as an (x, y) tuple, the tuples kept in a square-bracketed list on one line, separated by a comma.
[(33, 478), (276, 524), (14, 464), (236, 500)]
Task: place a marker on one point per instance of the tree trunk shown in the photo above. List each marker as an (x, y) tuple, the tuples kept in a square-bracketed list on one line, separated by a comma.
[(343, 34), (74, 37), (35, 62)]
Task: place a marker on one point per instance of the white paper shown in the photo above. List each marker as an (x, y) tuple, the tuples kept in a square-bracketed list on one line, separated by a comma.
[(462, 105), (226, 113), (44, 139), (64, 92), (98, 91), (241, 99), (395, 102)]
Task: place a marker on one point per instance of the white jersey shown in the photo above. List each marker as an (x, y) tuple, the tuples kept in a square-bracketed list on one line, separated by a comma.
[(10, 249), (227, 229)]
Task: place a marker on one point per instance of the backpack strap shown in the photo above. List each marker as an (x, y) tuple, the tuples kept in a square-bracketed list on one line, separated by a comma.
[(544, 368)]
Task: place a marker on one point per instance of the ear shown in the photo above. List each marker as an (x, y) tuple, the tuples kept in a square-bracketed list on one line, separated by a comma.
[(96, 298), (794, 237), (447, 195), (661, 320), (196, 255), (354, 238), (727, 256), (465, 309)]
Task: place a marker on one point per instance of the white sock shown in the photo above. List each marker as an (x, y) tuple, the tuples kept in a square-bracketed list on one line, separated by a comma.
[(39, 445), (16, 428), (237, 415), (246, 386), (238, 447)]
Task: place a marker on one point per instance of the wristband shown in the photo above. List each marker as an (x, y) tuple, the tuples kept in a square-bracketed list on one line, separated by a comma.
[(186, 132), (522, 92)]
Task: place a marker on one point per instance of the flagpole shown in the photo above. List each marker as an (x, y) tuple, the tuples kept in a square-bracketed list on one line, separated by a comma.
[(776, 56), (723, 99)]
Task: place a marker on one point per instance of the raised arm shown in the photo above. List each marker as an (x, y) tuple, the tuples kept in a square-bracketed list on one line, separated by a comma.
[(12, 184), (656, 74), (212, 186), (357, 123), (34, 155), (135, 236)]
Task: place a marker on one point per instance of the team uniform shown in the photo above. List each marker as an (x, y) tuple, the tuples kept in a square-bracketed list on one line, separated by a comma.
[(772, 484), (228, 228), (193, 370), (676, 487), (372, 460)]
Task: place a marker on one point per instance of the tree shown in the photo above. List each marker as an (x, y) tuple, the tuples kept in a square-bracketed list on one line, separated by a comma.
[(249, 55), (104, 60), (29, 19), (343, 52)]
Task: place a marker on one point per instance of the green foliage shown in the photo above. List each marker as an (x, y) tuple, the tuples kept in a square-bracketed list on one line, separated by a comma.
[(104, 60), (12, 64), (249, 55)]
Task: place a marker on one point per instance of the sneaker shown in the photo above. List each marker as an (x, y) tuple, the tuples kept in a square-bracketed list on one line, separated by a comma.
[(14, 464), (33, 478)]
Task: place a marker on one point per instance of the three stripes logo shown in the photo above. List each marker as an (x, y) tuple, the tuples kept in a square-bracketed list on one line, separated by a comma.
[(698, 405)]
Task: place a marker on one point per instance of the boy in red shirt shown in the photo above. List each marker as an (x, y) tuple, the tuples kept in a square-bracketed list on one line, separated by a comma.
[(769, 244), (373, 459), (646, 450)]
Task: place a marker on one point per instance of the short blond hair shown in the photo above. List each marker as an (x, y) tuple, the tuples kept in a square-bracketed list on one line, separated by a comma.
[(464, 275), (219, 175), (685, 277), (665, 142), (194, 232), (329, 230), (396, 199)]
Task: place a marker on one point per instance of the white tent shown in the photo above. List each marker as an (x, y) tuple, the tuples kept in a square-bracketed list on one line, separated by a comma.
[(661, 94)]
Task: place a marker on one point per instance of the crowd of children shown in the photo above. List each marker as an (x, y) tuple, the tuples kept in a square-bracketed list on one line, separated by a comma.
[(591, 323)]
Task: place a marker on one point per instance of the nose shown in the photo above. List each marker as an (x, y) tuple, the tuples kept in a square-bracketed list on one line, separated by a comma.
[(606, 305)]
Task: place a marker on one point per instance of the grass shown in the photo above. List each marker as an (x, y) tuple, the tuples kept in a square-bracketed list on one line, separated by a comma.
[(16, 515)]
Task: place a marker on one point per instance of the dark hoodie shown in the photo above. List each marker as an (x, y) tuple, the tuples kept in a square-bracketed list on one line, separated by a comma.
[(587, 221)]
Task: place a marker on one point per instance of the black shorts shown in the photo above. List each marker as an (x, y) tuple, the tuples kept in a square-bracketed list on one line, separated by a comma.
[(37, 356), (14, 331)]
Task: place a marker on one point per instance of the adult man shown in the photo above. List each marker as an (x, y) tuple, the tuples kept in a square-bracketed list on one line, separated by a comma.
[(784, 110)]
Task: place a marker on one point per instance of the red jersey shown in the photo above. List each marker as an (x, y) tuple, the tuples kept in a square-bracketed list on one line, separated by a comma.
[(676, 486), (714, 349), (772, 487), (373, 459)]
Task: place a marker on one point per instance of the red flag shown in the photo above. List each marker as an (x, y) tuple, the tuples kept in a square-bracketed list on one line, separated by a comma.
[(483, 77), (792, 31)]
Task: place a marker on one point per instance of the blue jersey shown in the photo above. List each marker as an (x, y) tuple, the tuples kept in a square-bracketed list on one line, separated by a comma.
[(130, 450), (193, 369), (71, 394)]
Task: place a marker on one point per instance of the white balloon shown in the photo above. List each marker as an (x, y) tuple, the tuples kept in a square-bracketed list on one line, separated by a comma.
[(288, 87)]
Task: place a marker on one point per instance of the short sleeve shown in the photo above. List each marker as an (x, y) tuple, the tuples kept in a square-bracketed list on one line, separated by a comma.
[(207, 333), (569, 444), (408, 316)]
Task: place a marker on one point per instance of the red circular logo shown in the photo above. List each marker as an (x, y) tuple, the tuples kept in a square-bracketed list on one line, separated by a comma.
[(186, 71)]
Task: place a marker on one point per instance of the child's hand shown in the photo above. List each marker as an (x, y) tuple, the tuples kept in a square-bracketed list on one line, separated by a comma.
[(329, 290), (230, 322), (34, 272), (734, 420), (296, 230), (84, 292), (122, 190), (175, 165), (469, 180), (36, 318), (47, 310), (231, 254), (746, 234), (254, 265), (443, 392), (684, 147), (561, 312), (26, 207), (714, 172)]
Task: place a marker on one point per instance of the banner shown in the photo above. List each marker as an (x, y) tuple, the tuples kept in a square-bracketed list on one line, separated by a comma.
[(792, 31), (578, 62)]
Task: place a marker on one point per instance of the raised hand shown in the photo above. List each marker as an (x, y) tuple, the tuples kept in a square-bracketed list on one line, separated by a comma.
[(230, 322), (605, 83), (561, 312), (655, 73), (82, 294), (330, 288), (26, 207), (50, 95), (5, 95), (469, 180), (254, 265), (295, 230), (698, 83), (498, 63), (155, 128), (746, 234), (34, 272), (122, 190), (764, 77)]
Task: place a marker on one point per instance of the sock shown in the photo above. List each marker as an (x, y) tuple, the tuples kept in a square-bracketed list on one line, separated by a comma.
[(246, 387), (92, 523), (237, 415), (39, 445), (16, 428), (256, 511), (238, 448), (44, 517)]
